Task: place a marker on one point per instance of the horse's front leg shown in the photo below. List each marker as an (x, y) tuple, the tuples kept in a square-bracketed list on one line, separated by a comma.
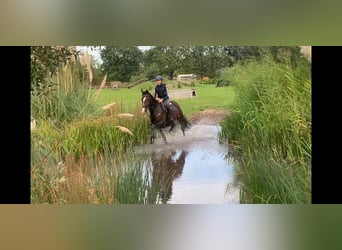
[(162, 134), (153, 134)]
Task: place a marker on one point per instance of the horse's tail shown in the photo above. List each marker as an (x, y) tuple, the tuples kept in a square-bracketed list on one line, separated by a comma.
[(185, 122), (181, 118)]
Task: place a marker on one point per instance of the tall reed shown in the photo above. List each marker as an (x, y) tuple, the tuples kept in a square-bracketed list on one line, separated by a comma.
[(76, 148), (271, 129), (80, 163), (109, 134), (65, 99)]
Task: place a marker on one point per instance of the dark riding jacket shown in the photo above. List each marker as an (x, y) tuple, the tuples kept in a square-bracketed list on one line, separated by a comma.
[(160, 91)]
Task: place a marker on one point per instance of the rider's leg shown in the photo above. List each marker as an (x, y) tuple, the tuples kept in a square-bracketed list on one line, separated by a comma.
[(170, 116)]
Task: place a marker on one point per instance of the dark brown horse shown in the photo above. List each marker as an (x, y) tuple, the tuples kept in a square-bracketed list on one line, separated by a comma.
[(159, 116)]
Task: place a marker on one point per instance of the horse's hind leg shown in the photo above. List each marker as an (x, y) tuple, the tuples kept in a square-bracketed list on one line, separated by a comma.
[(183, 125)]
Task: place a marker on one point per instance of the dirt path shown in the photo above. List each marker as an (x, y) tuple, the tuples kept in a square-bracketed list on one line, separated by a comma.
[(209, 117)]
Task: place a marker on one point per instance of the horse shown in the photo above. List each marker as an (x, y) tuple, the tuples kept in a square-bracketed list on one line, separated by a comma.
[(158, 115)]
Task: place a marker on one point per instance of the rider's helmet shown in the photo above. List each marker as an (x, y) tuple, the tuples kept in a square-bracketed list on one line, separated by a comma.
[(158, 78)]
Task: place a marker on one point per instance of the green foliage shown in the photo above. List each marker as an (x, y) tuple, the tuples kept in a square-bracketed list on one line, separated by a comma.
[(280, 54), (120, 63), (171, 60), (152, 70), (130, 185), (211, 81), (64, 101), (166, 59), (93, 137), (67, 163), (45, 61), (272, 115)]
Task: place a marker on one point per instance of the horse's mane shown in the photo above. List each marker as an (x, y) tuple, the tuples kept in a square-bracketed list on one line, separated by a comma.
[(146, 92)]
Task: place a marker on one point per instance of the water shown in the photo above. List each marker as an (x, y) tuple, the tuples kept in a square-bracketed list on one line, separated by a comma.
[(192, 169)]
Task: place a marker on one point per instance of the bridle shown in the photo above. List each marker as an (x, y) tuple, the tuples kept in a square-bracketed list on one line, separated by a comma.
[(145, 103)]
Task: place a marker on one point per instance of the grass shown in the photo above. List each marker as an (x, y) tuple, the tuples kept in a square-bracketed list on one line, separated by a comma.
[(271, 128), (208, 96)]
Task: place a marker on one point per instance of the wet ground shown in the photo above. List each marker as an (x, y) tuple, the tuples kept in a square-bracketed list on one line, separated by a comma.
[(194, 169)]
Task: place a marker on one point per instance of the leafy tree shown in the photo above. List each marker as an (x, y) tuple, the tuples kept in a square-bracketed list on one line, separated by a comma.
[(215, 59), (279, 53), (195, 61), (121, 63), (168, 59), (243, 53), (152, 70), (45, 61)]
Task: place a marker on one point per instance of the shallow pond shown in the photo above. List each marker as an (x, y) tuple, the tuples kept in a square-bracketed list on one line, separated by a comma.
[(191, 169)]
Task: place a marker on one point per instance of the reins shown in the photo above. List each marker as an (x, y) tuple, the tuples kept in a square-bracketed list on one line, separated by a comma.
[(152, 103)]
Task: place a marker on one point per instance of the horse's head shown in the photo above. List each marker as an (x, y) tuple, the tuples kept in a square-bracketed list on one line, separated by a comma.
[(146, 100)]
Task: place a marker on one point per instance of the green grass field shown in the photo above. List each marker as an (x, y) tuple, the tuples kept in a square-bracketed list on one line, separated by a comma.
[(207, 96)]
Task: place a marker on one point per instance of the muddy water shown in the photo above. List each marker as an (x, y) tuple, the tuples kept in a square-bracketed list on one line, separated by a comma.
[(192, 169)]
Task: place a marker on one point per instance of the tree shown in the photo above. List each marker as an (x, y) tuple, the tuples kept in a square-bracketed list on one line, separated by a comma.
[(121, 63), (279, 53), (45, 61), (168, 59), (195, 61), (216, 58)]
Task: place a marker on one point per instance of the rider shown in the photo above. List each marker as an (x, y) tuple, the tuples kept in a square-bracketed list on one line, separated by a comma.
[(162, 96)]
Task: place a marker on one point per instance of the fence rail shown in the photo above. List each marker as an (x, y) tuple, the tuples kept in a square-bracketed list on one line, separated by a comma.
[(183, 93)]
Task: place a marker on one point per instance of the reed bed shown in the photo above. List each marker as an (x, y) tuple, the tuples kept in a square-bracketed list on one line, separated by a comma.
[(110, 134), (63, 98), (78, 150), (81, 163), (270, 129)]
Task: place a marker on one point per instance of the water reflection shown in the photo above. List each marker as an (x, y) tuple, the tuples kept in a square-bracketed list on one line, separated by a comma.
[(166, 167), (191, 169)]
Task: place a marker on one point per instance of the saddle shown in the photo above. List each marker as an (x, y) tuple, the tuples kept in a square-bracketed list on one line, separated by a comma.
[(167, 107)]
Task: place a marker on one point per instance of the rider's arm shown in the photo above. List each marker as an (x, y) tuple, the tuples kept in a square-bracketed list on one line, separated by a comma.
[(166, 94)]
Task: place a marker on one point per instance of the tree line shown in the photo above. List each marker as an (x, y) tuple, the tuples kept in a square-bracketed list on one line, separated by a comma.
[(123, 63), (129, 63)]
